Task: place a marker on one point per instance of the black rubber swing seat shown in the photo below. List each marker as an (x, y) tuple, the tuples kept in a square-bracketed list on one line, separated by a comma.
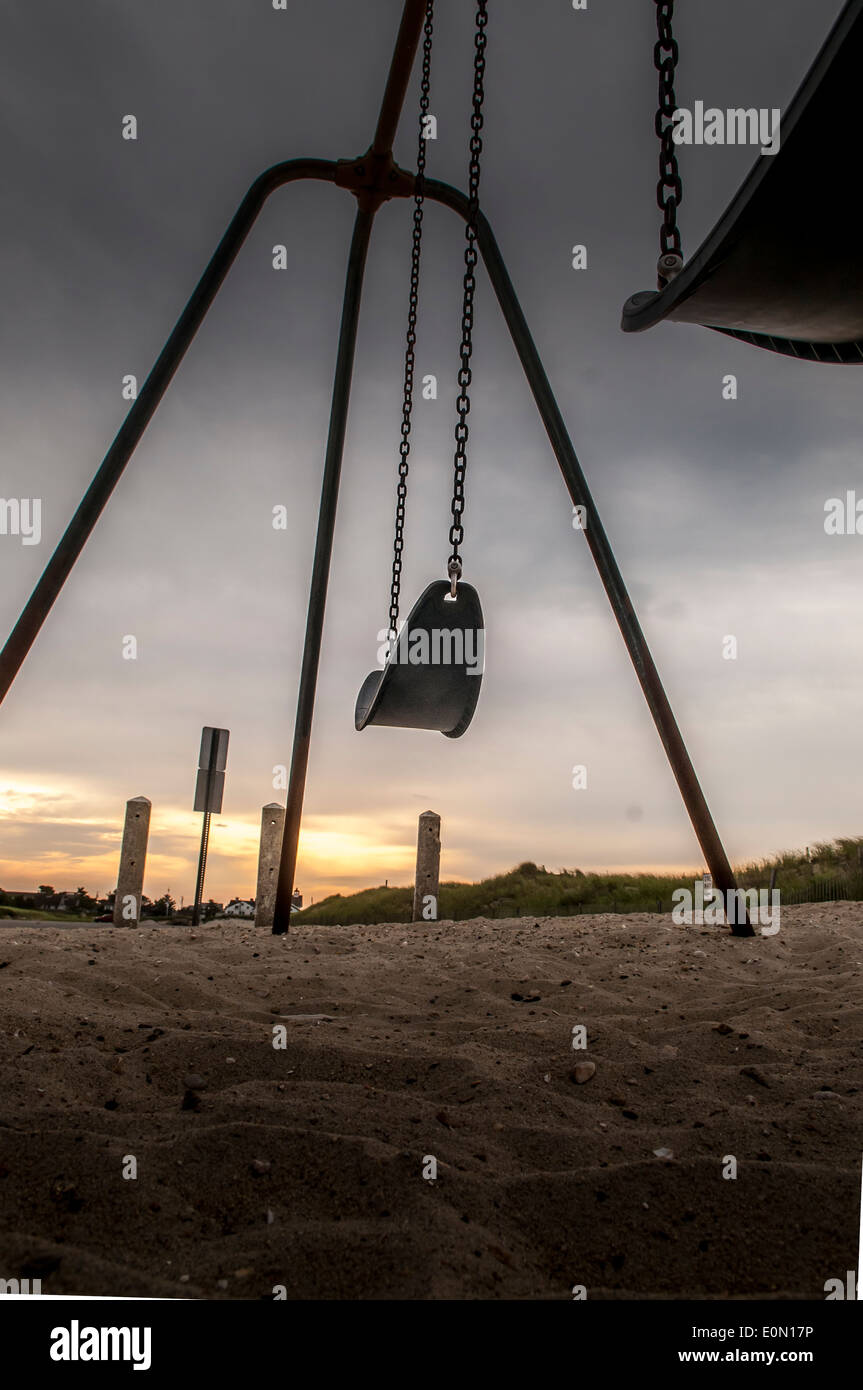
[(433, 674), (783, 268)]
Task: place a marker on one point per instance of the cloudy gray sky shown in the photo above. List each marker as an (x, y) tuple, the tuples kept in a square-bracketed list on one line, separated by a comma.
[(715, 508)]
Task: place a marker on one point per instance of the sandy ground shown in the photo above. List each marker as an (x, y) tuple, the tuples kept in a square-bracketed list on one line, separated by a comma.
[(303, 1166)]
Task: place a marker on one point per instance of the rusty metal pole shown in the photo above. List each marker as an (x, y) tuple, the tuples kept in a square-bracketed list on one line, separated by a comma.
[(321, 569), (401, 66)]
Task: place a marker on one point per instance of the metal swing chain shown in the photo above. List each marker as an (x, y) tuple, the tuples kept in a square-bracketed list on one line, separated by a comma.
[(456, 533), (410, 350), (669, 191)]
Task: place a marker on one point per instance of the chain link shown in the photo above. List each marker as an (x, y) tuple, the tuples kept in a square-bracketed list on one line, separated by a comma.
[(456, 533), (669, 190), (410, 349)]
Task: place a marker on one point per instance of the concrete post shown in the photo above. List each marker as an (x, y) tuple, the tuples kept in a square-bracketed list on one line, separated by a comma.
[(133, 857), (272, 830), (427, 881)]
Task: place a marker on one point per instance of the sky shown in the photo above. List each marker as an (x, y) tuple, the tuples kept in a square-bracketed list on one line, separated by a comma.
[(715, 507)]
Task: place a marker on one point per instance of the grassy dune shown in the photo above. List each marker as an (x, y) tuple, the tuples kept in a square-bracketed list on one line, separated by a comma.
[(830, 870)]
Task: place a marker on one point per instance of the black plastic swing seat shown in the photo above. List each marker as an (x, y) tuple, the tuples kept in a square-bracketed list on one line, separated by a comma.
[(783, 268), (433, 674)]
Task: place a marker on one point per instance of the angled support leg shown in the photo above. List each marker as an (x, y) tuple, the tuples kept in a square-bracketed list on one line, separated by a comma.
[(321, 566), (600, 547), (78, 531)]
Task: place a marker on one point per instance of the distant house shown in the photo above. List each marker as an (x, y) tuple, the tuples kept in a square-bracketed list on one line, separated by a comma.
[(245, 907), (240, 907)]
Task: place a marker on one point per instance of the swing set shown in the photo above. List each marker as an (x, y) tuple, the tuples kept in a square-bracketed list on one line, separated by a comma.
[(764, 275)]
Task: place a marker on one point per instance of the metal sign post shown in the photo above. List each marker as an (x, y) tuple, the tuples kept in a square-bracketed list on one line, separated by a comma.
[(209, 789)]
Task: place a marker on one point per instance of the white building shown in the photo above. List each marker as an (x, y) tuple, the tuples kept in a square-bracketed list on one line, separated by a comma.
[(240, 907)]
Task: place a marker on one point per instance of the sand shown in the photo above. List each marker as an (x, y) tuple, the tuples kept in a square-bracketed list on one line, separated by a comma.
[(303, 1167)]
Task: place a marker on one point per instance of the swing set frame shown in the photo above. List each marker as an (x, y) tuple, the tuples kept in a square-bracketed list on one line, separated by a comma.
[(373, 178)]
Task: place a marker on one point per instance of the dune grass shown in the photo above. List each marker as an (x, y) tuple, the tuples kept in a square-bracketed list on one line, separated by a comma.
[(827, 870)]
